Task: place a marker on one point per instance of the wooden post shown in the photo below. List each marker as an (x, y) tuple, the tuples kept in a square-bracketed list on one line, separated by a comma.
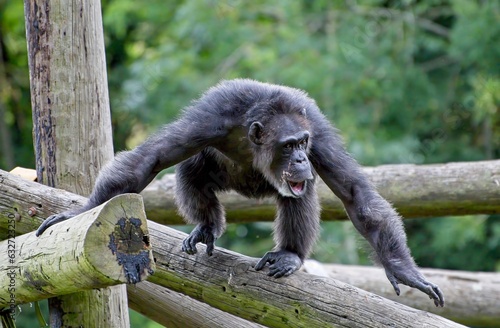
[(72, 127), (105, 246)]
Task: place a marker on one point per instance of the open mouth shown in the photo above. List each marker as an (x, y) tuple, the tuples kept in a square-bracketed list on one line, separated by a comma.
[(297, 188)]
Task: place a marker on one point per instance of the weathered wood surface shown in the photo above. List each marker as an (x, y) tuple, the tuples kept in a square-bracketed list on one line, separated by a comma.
[(175, 310), (106, 246), (29, 203), (472, 298), (415, 191), (228, 282), (72, 127), (19, 198), (69, 92)]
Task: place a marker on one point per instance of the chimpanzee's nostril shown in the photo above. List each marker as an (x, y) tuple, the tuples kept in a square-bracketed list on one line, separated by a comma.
[(300, 159)]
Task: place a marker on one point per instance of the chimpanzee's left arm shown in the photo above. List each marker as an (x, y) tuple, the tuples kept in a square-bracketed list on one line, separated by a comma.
[(372, 215)]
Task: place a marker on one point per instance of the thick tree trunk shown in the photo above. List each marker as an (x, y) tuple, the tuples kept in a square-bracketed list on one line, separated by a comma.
[(69, 93), (109, 246), (72, 126)]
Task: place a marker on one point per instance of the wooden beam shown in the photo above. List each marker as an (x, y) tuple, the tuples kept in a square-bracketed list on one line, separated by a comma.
[(106, 246), (441, 189), (415, 191), (72, 133)]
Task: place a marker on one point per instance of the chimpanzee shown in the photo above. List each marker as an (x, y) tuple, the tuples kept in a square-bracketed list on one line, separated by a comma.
[(261, 139)]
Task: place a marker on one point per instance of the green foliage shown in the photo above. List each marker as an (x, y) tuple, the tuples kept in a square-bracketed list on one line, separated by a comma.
[(26, 316), (469, 242), (15, 109), (137, 320), (249, 239), (341, 243)]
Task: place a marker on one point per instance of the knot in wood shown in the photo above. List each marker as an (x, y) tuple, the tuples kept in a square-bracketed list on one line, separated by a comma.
[(240, 267)]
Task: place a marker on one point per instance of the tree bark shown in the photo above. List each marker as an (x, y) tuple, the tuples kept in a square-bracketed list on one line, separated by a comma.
[(472, 298), (72, 126), (69, 92), (109, 246)]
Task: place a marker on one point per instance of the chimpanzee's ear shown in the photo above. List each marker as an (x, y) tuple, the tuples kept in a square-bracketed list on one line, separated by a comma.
[(255, 133)]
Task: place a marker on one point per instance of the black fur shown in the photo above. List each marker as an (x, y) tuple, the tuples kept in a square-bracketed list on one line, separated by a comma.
[(261, 140)]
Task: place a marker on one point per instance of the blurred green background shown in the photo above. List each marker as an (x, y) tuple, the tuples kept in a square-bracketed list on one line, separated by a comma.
[(405, 81)]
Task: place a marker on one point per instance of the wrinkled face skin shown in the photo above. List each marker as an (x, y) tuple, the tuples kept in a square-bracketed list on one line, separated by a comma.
[(283, 153), (290, 165)]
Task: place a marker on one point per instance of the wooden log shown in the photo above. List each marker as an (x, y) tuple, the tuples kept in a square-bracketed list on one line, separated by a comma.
[(415, 191), (441, 189), (72, 133), (472, 298), (108, 245), (29, 203), (175, 310), (228, 282)]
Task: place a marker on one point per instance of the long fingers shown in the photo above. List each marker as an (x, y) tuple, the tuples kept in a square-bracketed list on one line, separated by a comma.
[(210, 246), (277, 271), (433, 291), (189, 245), (423, 285), (50, 221), (262, 263), (394, 283)]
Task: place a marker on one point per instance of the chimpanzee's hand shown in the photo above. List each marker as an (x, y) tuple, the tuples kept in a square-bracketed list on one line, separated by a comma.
[(201, 233), (410, 276), (53, 219), (283, 263)]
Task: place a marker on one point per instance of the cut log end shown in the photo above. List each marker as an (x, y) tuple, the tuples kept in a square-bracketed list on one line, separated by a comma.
[(132, 249)]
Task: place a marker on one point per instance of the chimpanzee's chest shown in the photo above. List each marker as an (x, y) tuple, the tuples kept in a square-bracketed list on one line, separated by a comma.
[(251, 183), (239, 174), (244, 179)]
